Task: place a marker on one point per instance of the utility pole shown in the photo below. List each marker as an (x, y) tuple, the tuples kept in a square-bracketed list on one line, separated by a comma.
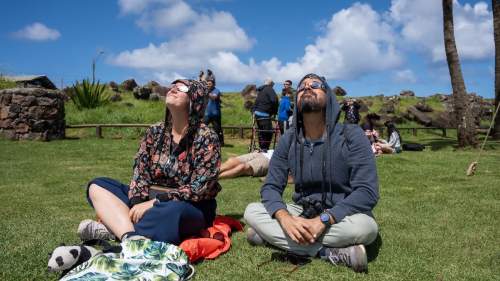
[(94, 60)]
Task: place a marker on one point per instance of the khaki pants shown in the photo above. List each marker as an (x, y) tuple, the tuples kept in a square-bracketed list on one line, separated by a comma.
[(354, 229)]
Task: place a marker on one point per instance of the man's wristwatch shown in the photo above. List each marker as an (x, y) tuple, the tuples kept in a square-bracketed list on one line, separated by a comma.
[(325, 218)]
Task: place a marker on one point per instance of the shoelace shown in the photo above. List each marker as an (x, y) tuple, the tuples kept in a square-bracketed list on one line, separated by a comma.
[(339, 258)]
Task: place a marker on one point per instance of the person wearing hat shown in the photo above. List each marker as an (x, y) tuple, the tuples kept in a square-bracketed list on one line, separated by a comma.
[(171, 195), (336, 185)]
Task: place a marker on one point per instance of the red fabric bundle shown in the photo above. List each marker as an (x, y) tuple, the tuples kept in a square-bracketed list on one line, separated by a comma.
[(215, 240)]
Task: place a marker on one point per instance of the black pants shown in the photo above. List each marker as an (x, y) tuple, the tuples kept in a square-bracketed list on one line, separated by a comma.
[(265, 130), (217, 123), (284, 125)]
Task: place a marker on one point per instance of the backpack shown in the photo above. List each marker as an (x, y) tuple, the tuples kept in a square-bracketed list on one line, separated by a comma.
[(142, 259), (413, 147)]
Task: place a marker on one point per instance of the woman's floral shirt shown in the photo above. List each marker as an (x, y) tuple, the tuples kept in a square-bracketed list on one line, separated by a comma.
[(188, 170)]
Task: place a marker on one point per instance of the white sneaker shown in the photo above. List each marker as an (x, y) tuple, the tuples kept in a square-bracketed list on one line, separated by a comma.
[(90, 229)]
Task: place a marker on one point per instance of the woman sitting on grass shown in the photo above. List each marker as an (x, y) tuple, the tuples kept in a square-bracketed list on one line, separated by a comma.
[(393, 143), (174, 184)]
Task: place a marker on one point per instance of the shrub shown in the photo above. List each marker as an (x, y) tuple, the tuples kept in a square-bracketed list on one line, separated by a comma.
[(6, 84), (89, 95)]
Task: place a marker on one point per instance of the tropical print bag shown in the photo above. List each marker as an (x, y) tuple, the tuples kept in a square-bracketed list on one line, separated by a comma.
[(143, 260)]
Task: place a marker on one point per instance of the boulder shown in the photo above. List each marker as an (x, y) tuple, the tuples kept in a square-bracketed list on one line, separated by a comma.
[(407, 93), (388, 107), (113, 86), (444, 120), (338, 91), (154, 97), (5, 99), (418, 116), (142, 93), (363, 105), (423, 107), (249, 94), (129, 85), (116, 97), (161, 90), (392, 118), (151, 84)]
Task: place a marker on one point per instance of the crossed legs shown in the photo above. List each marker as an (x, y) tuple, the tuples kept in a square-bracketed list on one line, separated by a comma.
[(112, 211)]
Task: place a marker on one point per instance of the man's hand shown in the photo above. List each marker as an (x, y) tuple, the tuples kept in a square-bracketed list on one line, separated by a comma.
[(296, 228), (315, 226), (138, 210)]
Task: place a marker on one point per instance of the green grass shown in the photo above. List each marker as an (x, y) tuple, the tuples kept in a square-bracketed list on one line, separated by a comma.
[(435, 223), (6, 84), (131, 110)]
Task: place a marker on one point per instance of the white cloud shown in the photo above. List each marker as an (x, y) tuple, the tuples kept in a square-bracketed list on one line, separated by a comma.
[(422, 27), (355, 41), (342, 52), (174, 16), (405, 76), (196, 41), (137, 6), (37, 32)]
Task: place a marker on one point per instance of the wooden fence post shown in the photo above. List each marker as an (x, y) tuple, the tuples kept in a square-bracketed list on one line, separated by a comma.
[(98, 132), (444, 132), (415, 131), (241, 133)]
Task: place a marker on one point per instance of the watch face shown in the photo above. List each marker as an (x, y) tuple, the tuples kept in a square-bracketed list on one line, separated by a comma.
[(325, 218)]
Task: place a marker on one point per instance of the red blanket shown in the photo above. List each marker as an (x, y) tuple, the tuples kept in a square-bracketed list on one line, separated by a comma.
[(215, 240)]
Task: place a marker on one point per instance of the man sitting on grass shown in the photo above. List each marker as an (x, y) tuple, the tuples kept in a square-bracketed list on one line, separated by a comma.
[(336, 185)]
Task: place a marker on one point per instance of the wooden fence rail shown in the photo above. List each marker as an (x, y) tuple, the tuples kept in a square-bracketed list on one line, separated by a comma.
[(240, 130)]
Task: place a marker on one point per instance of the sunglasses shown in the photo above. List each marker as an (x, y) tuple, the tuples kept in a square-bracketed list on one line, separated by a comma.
[(181, 88), (313, 85)]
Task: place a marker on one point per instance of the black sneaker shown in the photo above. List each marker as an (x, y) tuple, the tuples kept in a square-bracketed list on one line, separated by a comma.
[(352, 256)]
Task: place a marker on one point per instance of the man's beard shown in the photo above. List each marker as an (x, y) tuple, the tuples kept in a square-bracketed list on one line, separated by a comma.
[(309, 103)]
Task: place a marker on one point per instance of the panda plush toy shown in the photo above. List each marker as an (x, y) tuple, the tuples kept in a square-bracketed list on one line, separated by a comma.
[(65, 258)]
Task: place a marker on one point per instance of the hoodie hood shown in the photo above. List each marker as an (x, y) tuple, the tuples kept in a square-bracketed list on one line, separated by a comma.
[(332, 108), (198, 93), (332, 112)]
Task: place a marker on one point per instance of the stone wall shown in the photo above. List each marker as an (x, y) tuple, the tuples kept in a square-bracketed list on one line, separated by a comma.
[(31, 113)]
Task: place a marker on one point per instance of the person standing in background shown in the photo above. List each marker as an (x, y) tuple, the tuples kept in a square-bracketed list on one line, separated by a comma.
[(285, 107), (213, 113)]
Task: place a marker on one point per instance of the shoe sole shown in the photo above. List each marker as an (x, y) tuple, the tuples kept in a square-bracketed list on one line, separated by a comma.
[(361, 264)]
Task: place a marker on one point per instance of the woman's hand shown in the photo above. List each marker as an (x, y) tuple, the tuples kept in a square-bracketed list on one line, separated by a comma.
[(138, 210)]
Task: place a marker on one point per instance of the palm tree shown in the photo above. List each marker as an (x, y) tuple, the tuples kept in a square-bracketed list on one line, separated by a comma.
[(466, 129), (496, 34)]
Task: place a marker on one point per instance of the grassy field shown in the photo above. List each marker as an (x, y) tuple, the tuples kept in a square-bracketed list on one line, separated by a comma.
[(131, 110), (435, 223)]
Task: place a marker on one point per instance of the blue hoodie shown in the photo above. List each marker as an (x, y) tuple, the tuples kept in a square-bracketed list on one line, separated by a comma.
[(339, 171), (284, 108)]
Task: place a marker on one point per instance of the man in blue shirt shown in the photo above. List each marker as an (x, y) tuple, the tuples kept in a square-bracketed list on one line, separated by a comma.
[(212, 113), (336, 185)]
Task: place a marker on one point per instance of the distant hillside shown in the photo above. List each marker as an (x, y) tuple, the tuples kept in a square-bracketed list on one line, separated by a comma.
[(131, 110)]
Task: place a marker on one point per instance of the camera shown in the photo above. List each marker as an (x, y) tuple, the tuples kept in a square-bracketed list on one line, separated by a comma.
[(310, 208)]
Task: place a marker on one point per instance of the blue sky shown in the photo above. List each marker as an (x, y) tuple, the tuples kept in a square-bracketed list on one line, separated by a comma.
[(367, 47)]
